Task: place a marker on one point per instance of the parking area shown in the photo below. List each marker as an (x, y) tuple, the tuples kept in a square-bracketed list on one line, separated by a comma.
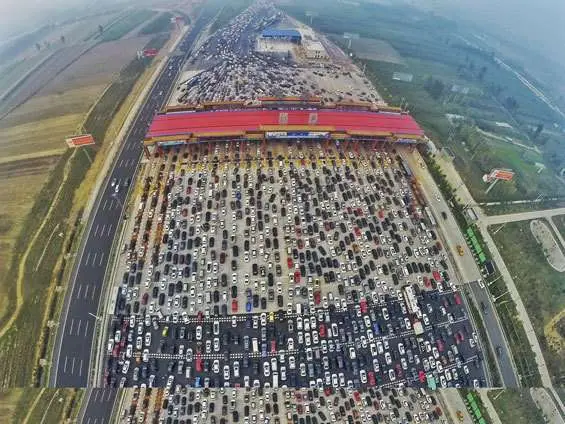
[(306, 406), (297, 264)]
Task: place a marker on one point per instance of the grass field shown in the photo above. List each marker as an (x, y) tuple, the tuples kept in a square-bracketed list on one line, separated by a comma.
[(127, 23), (541, 288), (559, 221), (516, 406), (160, 24), (34, 406)]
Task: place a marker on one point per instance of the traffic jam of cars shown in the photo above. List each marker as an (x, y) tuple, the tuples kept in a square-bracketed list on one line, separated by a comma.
[(296, 406), (287, 265)]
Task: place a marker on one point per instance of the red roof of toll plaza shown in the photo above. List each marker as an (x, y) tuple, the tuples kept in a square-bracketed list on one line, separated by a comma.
[(232, 121)]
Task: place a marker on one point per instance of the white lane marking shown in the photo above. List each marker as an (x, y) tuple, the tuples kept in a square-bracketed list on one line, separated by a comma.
[(94, 259), (87, 258), (96, 394), (96, 229), (93, 291), (73, 366), (79, 288), (86, 330), (109, 229), (72, 323), (86, 291), (109, 394), (65, 366), (104, 205), (101, 258), (110, 207), (78, 327), (120, 163), (102, 232), (80, 369)]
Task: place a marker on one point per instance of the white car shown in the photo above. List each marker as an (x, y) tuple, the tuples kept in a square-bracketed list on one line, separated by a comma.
[(226, 372), (266, 369), (363, 376)]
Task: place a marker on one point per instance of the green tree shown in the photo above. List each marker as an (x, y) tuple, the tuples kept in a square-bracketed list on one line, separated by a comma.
[(434, 87), (537, 131), (510, 103)]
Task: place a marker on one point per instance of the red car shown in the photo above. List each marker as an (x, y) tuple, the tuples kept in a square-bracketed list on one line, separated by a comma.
[(289, 263), (371, 378), (317, 297), (422, 376), (322, 330), (357, 396), (426, 281), (198, 364), (436, 275), (457, 298), (363, 305), (200, 317), (297, 277), (234, 305), (273, 346)]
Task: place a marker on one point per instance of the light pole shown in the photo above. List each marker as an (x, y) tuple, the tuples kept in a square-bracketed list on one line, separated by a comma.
[(498, 297)]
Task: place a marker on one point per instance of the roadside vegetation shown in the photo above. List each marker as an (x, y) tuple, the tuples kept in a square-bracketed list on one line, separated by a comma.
[(495, 120), (516, 406), (541, 288)]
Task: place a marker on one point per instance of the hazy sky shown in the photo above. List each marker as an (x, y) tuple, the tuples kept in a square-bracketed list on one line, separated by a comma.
[(539, 24)]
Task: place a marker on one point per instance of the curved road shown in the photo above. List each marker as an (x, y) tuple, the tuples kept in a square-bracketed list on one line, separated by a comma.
[(71, 358)]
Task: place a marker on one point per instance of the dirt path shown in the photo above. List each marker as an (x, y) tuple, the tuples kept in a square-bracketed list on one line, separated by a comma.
[(33, 405), (23, 261)]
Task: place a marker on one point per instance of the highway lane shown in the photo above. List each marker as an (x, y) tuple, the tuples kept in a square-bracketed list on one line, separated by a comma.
[(467, 267), (71, 358), (520, 216), (99, 406), (495, 335)]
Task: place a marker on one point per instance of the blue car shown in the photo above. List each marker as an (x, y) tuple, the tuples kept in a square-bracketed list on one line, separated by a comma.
[(197, 382), (248, 307)]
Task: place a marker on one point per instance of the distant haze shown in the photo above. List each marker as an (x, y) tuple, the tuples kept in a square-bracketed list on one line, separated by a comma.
[(539, 25)]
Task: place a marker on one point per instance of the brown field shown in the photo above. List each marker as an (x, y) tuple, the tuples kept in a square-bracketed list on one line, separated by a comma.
[(32, 135), (373, 49), (42, 76), (94, 67), (21, 181)]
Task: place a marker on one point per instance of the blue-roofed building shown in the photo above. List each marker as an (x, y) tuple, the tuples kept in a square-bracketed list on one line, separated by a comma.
[(291, 35)]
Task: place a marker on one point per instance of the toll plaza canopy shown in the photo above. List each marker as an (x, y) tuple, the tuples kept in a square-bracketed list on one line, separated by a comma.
[(194, 125)]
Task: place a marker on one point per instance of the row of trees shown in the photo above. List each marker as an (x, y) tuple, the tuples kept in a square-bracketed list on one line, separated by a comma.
[(62, 39)]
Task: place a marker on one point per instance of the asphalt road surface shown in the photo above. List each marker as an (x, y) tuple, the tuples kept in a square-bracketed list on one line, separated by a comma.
[(99, 408), (495, 335), (167, 357), (71, 359)]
